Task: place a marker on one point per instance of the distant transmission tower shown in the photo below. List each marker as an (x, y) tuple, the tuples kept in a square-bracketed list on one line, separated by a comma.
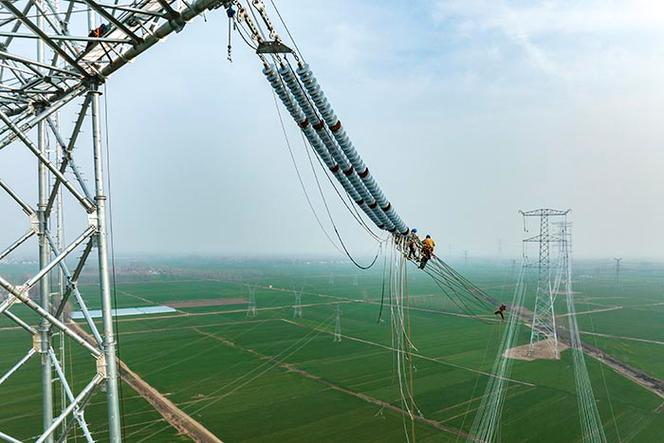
[(251, 304), (297, 307), (488, 420), (544, 321), (465, 257), (330, 279), (618, 260), (337, 325)]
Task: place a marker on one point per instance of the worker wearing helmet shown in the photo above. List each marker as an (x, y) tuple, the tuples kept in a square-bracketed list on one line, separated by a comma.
[(413, 244), (427, 250)]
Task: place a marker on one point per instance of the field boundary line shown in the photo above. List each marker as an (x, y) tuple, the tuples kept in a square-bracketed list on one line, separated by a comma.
[(138, 297), (643, 340), (594, 311), (290, 368), (182, 328), (422, 356)]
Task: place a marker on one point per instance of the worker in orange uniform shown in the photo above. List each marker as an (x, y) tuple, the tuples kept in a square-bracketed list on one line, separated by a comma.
[(427, 250)]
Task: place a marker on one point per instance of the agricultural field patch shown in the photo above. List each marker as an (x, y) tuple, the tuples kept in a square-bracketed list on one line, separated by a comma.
[(279, 376)]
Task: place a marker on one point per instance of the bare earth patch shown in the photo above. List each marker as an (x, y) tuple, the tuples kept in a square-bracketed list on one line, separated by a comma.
[(542, 350), (206, 302)]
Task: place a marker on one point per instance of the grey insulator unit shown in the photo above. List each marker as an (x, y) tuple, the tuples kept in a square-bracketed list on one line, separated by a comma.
[(340, 135), (347, 170), (298, 115)]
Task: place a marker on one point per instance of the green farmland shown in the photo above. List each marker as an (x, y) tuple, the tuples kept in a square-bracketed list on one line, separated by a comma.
[(274, 377)]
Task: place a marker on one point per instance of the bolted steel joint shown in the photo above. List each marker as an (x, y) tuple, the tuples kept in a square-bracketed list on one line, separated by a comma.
[(34, 222), (37, 342), (93, 220), (101, 366)]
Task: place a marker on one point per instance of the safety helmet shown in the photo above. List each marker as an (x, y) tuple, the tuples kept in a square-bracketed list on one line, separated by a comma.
[(414, 230), (428, 236)]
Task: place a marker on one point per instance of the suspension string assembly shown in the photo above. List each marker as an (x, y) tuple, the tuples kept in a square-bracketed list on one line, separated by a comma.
[(301, 95), (310, 108)]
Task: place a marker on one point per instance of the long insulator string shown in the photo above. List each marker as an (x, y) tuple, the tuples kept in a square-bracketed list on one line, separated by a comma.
[(299, 176), (334, 226), (304, 121), (352, 209), (300, 94)]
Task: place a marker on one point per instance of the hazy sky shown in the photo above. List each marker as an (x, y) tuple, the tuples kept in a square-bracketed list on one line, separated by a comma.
[(465, 111)]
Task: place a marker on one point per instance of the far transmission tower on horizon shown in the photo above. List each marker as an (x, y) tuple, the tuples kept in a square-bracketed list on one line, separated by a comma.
[(297, 307), (337, 325), (251, 304), (618, 260)]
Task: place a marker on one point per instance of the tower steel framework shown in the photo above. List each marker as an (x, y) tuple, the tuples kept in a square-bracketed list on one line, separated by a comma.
[(543, 325), (55, 57)]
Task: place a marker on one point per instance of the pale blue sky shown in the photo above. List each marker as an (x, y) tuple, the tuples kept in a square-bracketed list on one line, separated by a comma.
[(465, 111)]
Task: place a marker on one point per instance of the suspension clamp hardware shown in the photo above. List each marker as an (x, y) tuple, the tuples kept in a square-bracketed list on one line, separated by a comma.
[(273, 47)]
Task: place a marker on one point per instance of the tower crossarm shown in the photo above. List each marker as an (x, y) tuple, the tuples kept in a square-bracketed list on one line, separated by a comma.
[(80, 51), (544, 212), (538, 238)]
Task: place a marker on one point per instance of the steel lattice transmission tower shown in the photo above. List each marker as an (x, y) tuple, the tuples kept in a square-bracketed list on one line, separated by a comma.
[(55, 58), (543, 325), (618, 260), (251, 304), (337, 325), (297, 306)]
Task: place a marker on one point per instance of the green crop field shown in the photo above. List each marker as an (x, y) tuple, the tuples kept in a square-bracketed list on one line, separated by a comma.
[(274, 377)]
